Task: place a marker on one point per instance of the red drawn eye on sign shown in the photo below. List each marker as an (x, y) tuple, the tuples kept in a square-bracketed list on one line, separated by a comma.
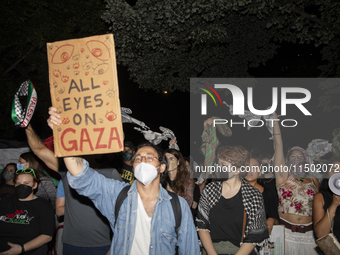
[(65, 78), (98, 50), (110, 116), (62, 54), (56, 73), (76, 65)]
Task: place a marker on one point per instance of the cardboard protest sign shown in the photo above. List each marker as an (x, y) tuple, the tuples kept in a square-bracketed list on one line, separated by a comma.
[(84, 90)]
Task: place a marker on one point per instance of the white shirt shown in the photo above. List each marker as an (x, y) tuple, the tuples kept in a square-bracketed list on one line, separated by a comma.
[(142, 238)]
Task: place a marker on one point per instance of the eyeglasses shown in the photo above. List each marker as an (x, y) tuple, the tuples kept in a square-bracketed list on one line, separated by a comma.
[(26, 171), (148, 158)]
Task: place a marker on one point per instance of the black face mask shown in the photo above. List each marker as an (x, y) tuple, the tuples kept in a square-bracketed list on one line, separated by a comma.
[(22, 191)]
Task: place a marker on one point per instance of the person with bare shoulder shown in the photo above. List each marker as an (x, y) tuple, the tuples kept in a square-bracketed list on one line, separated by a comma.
[(296, 190)]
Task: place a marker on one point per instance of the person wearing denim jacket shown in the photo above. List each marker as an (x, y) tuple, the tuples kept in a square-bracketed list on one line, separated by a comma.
[(104, 192)]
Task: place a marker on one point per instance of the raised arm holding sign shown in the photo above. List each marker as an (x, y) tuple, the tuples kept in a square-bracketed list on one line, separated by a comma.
[(146, 201)]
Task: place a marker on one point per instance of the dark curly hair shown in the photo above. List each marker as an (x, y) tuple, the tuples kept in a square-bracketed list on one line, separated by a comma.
[(182, 175)]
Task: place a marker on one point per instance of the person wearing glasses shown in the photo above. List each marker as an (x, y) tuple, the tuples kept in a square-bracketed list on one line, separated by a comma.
[(178, 179), (26, 221), (145, 223), (147, 204)]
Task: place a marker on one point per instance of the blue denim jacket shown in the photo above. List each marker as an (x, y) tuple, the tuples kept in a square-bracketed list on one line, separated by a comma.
[(104, 192)]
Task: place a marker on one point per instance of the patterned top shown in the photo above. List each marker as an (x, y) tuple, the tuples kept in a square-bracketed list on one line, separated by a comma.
[(256, 230), (296, 197)]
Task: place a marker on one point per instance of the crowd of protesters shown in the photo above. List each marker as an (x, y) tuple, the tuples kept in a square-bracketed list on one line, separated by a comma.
[(146, 201)]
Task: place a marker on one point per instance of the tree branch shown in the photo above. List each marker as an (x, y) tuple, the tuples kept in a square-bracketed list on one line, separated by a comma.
[(19, 60)]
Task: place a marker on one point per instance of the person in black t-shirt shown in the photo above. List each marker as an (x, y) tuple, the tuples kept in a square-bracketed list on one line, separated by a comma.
[(26, 221), (125, 169), (231, 217)]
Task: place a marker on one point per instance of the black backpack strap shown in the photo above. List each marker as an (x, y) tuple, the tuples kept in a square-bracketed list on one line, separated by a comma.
[(176, 207), (120, 199)]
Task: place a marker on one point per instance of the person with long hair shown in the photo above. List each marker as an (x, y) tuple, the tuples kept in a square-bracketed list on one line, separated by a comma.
[(26, 221), (326, 210), (178, 179), (7, 180), (46, 188), (296, 190), (231, 216)]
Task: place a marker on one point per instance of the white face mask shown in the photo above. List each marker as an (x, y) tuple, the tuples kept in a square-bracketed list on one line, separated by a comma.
[(145, 173)]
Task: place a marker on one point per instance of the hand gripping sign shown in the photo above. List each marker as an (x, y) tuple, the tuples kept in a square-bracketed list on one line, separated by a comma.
[(84, 90), (22, 116)]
